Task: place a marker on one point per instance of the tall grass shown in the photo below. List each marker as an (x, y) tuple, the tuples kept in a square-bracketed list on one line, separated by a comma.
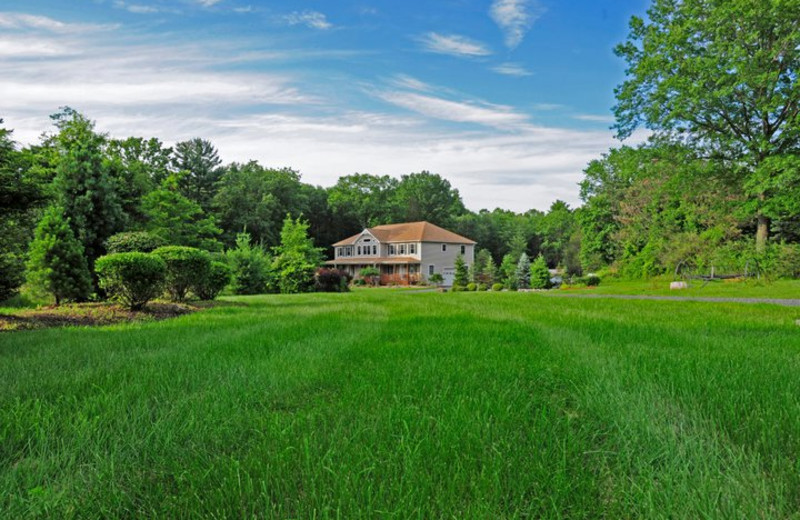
[(396, 404)]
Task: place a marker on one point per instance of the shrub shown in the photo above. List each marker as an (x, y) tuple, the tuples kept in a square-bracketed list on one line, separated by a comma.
[(370, 275), (217, 278), (539, 274), (56, 263), (359, 281), (436, 278), (133, 279), (483, 287), (592, 280), (185, 265), (472, 287), (458, 288), (134, 241), (331, 280), (251, 267), (12, 274), (497, 287)]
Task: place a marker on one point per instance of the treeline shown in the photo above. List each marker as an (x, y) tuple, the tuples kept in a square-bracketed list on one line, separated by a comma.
[(184, 196)]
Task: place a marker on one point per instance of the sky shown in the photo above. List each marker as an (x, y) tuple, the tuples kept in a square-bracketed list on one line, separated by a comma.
[(507, 99)]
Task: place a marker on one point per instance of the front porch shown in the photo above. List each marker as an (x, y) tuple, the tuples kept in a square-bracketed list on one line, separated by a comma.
[(393, 271)]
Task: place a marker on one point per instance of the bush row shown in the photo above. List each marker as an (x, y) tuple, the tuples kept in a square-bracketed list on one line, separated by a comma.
[(135, 278)]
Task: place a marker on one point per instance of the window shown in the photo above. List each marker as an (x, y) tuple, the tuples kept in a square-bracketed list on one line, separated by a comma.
[(389, 269), (444, 247), (338, 251), (430, 270), (402, 249), (367, 240), (374, 250), (412, 249), (463, 250), (391, 249), (358, 251)]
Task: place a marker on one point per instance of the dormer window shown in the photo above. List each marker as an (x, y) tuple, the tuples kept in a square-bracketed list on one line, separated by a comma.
[(412, 249)]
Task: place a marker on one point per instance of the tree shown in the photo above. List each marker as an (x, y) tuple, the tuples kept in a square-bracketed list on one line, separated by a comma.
[(85, 190), (508, 272), (721, 75), (362, 200), (558, 226), (57, 265), (461, 278), (251, 267), (138, 166), (200, 161), (427, 196), (483, 268), (177, 220), (523, 274), (296, 259), (539, 274), (20, 196)]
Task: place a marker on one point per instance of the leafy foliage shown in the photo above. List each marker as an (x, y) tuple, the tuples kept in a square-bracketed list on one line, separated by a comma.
[(217, 278), (540, 274), (251, 267), (185, 265), (296, 259), (370, 275), (331, 280), (132, 278), (57, 265), (134, 241)]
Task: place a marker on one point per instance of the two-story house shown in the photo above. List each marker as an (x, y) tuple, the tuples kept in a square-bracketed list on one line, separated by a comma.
[(404, 253)]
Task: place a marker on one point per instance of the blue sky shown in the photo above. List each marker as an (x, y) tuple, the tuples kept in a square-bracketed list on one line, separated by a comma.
[(508, 99)]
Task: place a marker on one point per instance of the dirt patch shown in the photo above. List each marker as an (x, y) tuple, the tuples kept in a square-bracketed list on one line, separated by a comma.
[(93, 314)]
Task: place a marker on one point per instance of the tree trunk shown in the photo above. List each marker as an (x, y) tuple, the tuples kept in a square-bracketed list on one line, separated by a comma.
[(762, 232)]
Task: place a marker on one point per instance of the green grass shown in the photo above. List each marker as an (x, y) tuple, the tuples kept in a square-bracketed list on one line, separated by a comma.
[(382, 404), (781, 289)]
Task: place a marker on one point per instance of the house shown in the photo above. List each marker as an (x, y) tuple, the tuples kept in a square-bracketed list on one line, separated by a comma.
[(404, 253)]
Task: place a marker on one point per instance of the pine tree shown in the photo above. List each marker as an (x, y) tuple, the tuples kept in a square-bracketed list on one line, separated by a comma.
[(540, 274), (57, 264), (461, 278), (524, 272), (508, 272), (296, 259), (85, 190)]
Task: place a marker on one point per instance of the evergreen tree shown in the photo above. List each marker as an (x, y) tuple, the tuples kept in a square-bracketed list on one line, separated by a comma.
[(523, 273), (461, 278), (508, 272), (84, 188), (251, 266), (540, 274), (296, 259), (518, 245), (57, 265), (199, 161)]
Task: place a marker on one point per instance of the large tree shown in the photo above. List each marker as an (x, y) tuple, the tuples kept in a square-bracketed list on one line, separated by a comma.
[(362, 200), (200, 162), (723, 76), (138, 165), (427, 196), (84, 187)]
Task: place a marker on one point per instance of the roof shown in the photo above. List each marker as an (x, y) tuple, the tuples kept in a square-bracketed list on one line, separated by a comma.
[(409, 232), (381, 260)]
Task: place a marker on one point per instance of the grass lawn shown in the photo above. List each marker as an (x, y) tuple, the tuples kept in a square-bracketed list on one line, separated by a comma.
[(408, 405), (781, 289)]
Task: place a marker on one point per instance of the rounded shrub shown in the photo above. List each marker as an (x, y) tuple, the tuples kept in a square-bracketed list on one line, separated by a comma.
[(472, 286), (134, 241), (217, 278), (592, 280), (133, 279), (185, 265), (458, 288), (483, 287), (331, 280), (497, 287)]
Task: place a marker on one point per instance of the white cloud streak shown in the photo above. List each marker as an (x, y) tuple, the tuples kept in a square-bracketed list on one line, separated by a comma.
[(515, 18), (23, 21), (512, 69), (311, 19), (453, 45)]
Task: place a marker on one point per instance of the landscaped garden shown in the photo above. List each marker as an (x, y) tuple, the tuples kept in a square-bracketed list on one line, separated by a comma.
[(407, 404)]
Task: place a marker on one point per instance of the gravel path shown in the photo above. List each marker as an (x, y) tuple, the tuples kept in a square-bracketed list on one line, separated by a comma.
[(784, 302)]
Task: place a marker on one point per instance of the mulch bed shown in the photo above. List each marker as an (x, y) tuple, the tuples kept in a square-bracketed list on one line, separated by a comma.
[(92, 315)]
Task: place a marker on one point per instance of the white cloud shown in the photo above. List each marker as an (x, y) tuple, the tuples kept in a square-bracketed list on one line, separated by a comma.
[(597, 118), (512, 69), (499, 116), (408, 82), (23, 21), (208, 3), (515, 17), (33, 47), (453, 45), (312, 19), (547, 106)]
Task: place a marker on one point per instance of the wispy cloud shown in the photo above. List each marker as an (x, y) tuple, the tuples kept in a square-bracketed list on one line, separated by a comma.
[(515, 18), (28, 21), (482, 113), (597, 118), (312, 19), (453, 45), (208, 3), (512, 69), (547, 106), (408, 82)]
